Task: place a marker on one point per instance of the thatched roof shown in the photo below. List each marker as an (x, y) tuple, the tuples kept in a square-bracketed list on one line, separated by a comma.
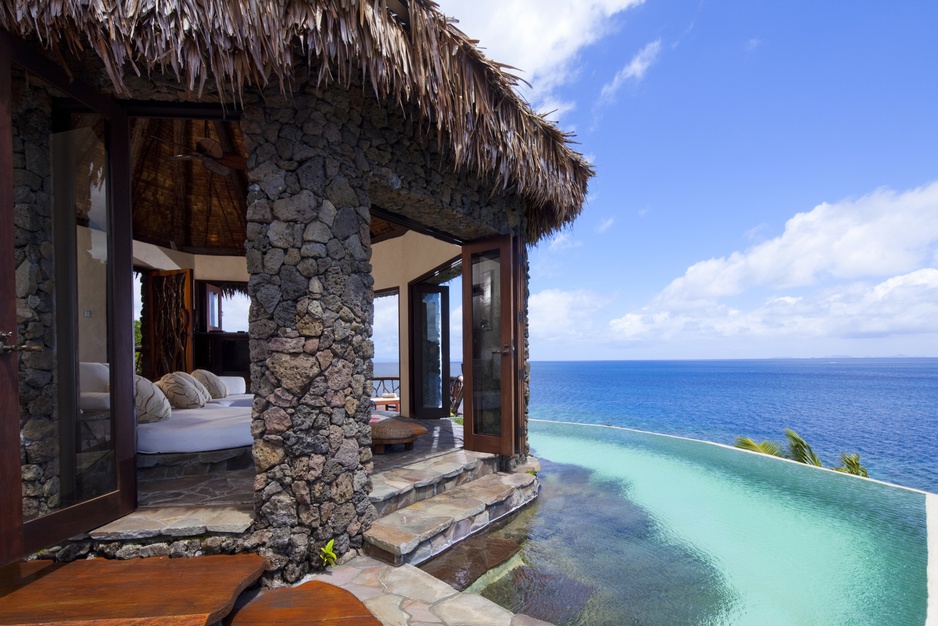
[(408, 53)]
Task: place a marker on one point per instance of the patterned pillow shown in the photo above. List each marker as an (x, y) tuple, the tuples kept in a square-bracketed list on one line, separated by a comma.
[(215, 385), (183, 391), (152, 405)]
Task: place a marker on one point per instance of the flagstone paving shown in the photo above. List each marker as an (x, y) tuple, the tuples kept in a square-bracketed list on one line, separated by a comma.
[(407, 596)]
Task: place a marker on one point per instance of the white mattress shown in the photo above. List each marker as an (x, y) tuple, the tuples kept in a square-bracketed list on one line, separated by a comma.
[(234, 399), (211, 427)]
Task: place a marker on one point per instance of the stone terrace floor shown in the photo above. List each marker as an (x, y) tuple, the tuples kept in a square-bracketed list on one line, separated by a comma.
[(224, 502), (403, 595), (407, 596)]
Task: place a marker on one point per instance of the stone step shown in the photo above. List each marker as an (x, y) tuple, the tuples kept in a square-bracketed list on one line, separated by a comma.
[(397, 488), (424, 529)]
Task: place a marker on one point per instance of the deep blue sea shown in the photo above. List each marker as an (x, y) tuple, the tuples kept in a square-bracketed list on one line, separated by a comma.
[(885, 409)]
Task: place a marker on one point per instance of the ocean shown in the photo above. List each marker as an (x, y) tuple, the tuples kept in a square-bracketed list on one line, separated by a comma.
[(885, 409)]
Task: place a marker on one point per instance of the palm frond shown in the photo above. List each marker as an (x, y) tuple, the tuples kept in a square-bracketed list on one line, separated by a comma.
[(799, 450), (765, 447), (851, 465)]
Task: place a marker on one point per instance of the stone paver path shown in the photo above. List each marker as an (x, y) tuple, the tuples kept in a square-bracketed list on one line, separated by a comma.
[(407, 596)]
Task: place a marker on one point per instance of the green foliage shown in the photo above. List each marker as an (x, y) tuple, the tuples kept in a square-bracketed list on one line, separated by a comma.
[(138, 341), (764, 447), (532, 472), (327, 555), (799, 450), (850, 464)]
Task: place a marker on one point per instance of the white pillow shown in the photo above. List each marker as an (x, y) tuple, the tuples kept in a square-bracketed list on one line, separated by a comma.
[(215, 386), (235, 384), (93, 377), (152, 405), (183, 391)]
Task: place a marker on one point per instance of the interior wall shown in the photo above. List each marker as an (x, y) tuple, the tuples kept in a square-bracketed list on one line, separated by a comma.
[(395, 263), (206, 267)]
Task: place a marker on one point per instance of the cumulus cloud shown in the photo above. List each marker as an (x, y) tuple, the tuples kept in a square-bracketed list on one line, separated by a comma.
[(881, 234), (862, 268), (634, 70), (558, 315), (385, 329), (901, 305), (541, 38)]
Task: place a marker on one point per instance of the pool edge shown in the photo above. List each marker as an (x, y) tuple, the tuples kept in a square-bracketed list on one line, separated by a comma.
[(743, 450), (931, 526)]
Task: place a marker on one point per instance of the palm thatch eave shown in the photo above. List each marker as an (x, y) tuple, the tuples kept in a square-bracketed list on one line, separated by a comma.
[(468, 100)]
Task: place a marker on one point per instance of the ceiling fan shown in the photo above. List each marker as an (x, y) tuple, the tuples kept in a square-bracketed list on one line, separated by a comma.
[(211, 154)]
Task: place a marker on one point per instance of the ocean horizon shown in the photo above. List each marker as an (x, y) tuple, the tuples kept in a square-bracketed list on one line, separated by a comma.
[(884, 408)]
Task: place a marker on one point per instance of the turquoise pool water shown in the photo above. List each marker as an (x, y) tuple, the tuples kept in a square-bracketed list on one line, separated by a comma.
[(636, 528)]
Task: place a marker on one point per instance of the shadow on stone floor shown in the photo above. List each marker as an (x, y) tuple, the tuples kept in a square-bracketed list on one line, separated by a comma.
[(236, 488)]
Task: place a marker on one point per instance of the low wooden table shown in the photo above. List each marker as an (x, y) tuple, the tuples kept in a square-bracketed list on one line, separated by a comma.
[(389, 404)]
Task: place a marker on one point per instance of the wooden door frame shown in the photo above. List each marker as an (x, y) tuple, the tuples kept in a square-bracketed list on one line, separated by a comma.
[(19, 538), (507, 443)]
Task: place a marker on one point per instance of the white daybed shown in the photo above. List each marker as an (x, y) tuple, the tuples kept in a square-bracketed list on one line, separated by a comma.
[(222, 423)]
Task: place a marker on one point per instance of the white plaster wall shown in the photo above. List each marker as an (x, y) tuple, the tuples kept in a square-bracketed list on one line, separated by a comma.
[(395, 263)]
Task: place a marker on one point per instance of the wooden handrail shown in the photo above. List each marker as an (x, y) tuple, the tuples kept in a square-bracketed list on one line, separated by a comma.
[(385, 384)]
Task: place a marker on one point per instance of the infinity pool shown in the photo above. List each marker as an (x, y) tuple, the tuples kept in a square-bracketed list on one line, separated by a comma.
[(636, 528)]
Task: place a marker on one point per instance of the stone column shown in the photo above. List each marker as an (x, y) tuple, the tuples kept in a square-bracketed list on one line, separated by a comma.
[(308, 251)]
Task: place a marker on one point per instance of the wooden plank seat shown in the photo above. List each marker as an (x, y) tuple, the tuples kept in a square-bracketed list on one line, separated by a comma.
[(193, 591), (310, 603)]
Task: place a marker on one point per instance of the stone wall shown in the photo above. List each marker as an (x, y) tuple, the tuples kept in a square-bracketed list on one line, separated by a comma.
[(317, 163), (35, 300)]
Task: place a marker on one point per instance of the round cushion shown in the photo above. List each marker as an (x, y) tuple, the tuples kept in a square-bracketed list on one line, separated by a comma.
[(391, 429)]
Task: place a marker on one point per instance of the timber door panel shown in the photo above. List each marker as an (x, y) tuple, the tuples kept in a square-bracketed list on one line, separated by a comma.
[(168, 311), (490, 348), (66, 457)]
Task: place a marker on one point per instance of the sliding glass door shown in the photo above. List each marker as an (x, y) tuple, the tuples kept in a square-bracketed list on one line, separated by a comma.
[(66, 446)]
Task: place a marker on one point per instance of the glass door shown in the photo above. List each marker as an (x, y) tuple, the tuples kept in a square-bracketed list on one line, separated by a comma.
[(429, 306), (490, 351), (62, 357)]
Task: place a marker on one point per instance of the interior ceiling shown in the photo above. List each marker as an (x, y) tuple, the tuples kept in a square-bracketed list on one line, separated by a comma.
[(189, 188)]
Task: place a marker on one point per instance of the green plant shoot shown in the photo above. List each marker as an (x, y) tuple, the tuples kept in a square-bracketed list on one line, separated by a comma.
[(327, 555)]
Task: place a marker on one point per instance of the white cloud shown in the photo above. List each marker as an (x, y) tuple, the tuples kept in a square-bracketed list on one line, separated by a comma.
[(606, 225), (634, 70), (562, 241), (235, 311), (878, 235), (557, 315), (901, 305), (753, 43), (860, 269), (386, 335), (541, 38)]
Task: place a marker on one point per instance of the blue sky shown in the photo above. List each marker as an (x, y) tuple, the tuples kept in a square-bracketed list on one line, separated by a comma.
[(767, 178)]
